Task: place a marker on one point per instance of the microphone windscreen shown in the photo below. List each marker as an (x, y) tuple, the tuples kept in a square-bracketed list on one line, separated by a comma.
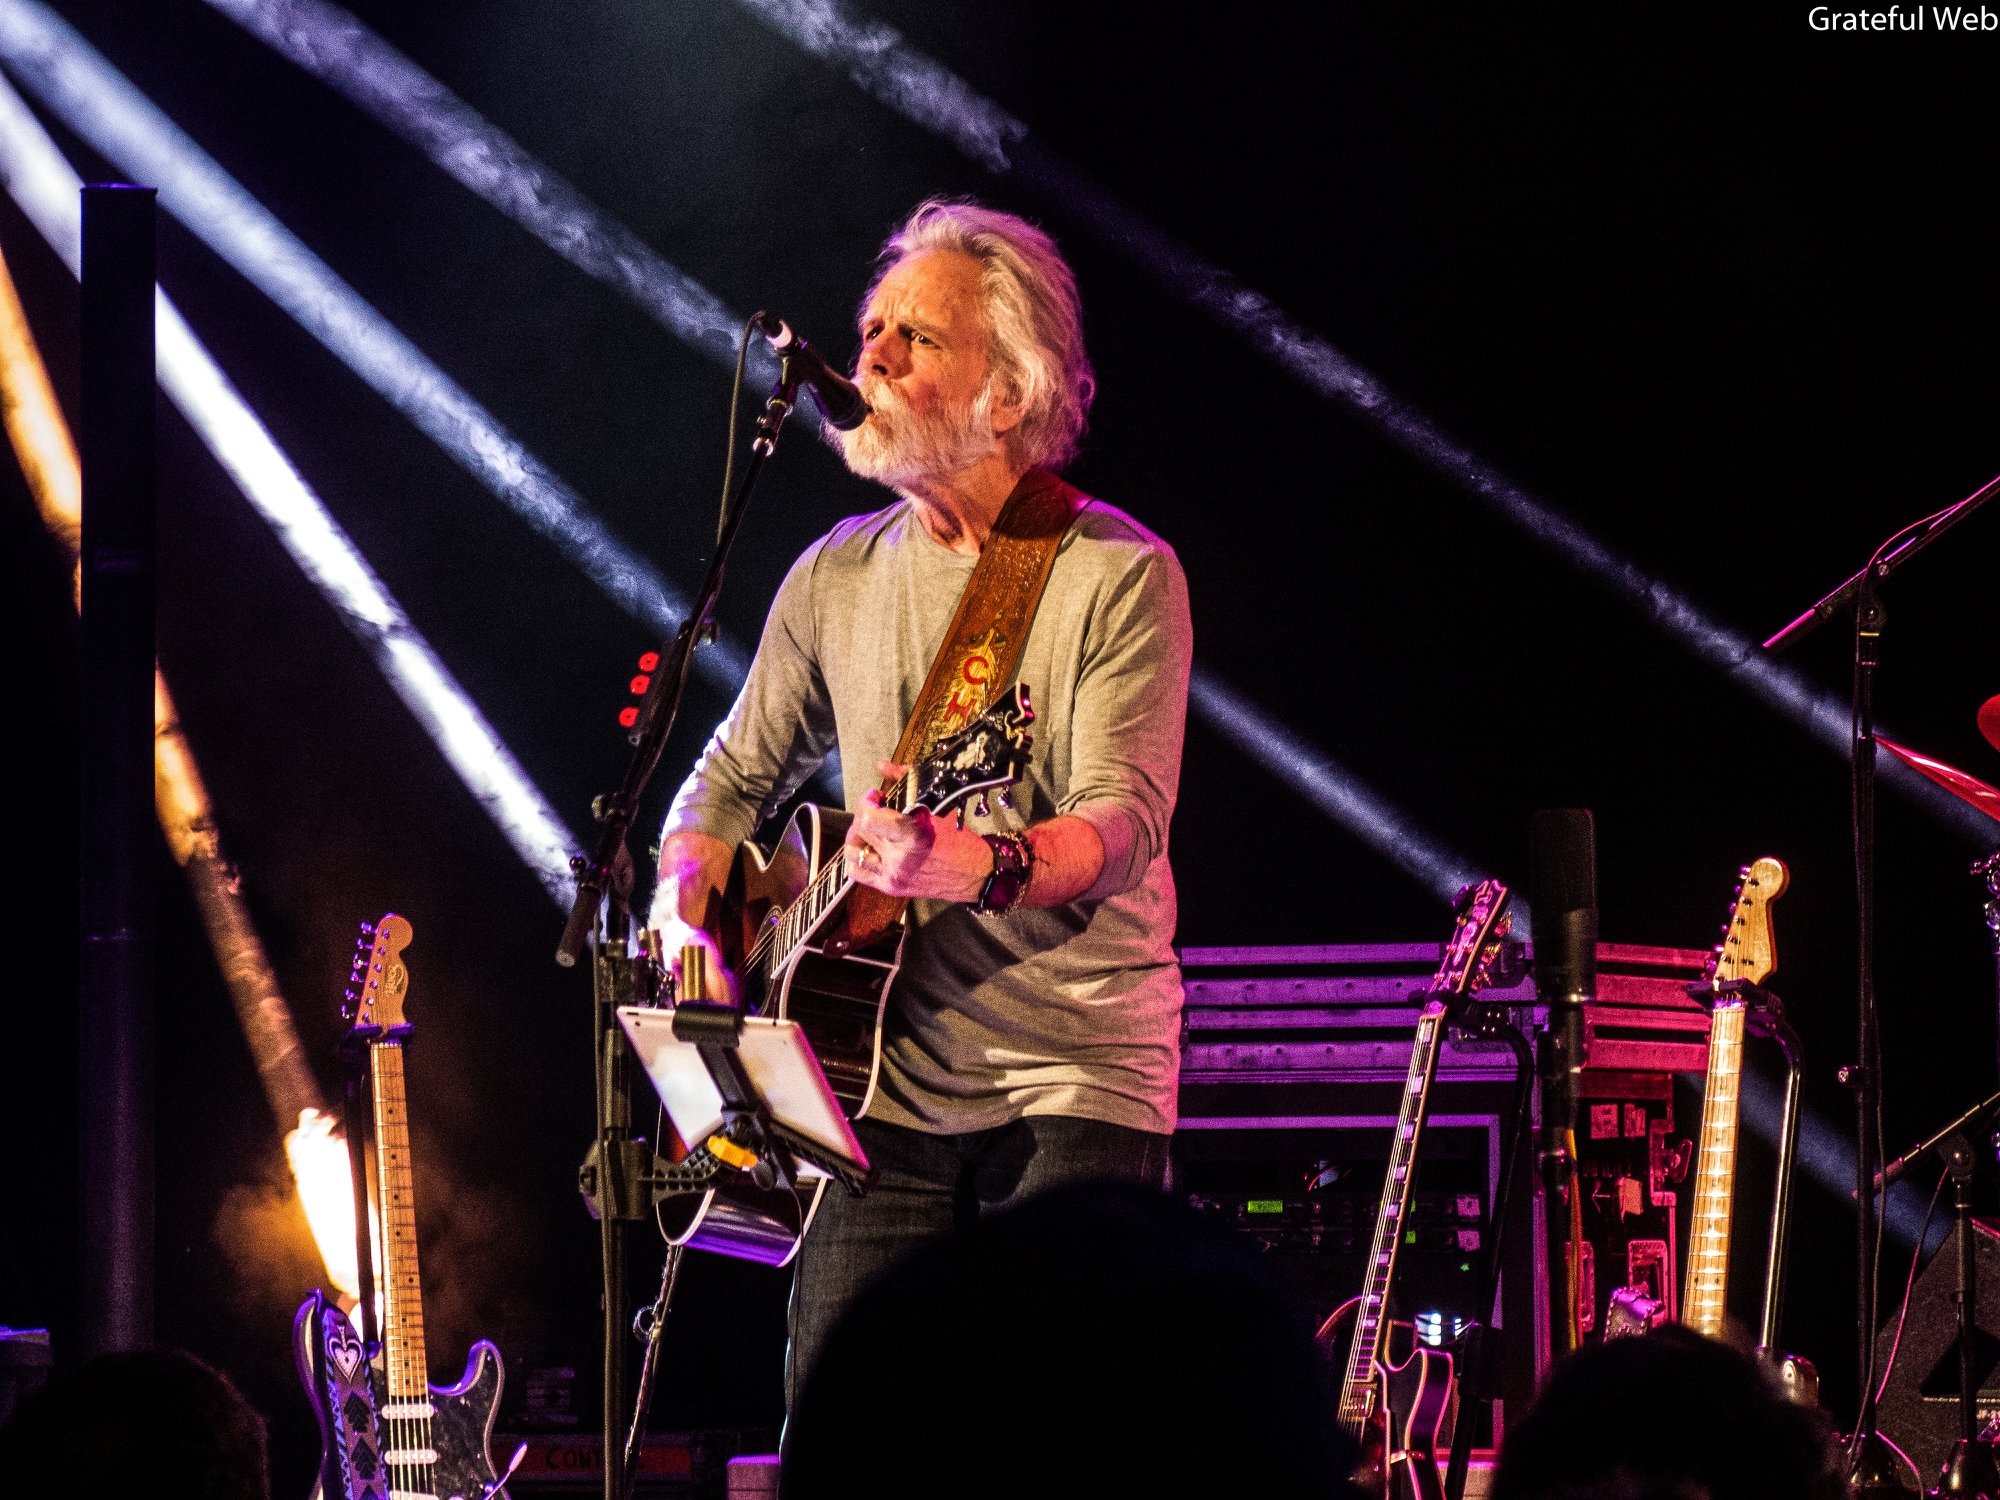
[(1563, 891)]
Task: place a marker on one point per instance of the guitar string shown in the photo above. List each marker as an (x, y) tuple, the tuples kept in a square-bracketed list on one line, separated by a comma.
[(828, 875), (897, 794)]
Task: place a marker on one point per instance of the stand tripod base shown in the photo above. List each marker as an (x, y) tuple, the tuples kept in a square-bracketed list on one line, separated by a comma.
[(1970, 1472), (1876, 1471)]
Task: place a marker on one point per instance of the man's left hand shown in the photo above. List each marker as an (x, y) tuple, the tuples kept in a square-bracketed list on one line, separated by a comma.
[(914, 853)]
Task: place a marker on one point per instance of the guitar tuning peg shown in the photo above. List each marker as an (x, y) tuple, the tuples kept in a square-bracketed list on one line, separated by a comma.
[(1005, 797), (368, 929), (980, 806)]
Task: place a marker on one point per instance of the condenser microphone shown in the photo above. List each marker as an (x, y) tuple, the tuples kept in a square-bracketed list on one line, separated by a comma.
[(1563, 883), (1563, 886), (839, 398)]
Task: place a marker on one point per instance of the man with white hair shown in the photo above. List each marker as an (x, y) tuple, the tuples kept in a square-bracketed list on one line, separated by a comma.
[(1032, 1036)]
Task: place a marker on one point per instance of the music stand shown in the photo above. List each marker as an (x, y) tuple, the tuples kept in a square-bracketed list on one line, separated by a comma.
[(746, 1094)]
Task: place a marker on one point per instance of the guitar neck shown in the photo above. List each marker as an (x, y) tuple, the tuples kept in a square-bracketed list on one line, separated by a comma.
[(1702, 1305), (1356, 1391), (402, 1283), (828, 887), (820, 896)]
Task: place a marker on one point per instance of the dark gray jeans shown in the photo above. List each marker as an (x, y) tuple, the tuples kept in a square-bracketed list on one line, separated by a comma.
[(926, 1185)]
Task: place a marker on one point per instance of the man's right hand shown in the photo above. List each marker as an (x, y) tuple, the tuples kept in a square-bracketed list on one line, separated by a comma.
[(693, 868)]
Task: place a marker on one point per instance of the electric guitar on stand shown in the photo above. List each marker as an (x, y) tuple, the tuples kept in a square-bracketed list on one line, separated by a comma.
[(1396, 1410), (807, 944), (1744, 957), (400, 1438)]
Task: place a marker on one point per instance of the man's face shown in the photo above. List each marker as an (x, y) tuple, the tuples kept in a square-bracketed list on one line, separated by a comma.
[(924, 370)]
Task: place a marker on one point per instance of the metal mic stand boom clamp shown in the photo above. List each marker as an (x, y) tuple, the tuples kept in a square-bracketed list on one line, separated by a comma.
[(614, 1173), (1870, 1468)]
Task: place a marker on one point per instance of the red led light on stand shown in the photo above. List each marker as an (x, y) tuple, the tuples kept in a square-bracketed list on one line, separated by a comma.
[(627, 717)]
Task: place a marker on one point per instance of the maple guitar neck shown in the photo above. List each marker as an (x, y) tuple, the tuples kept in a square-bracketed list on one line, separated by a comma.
[(1704, 1300), (405, 1360), (1746, 954)]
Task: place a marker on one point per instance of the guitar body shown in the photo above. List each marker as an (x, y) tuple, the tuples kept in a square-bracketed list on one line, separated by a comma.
[(359, 1449), (835, 984), (461, 1428), (1407, 1427)]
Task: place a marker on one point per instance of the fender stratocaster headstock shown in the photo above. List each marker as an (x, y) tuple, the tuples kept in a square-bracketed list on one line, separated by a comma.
[(380, 980), (1746, 951)]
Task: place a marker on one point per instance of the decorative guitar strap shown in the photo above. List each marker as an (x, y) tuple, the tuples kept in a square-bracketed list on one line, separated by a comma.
[(983, 646)]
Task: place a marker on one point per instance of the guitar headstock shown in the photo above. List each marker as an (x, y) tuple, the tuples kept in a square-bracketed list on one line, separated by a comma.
[(988, 753), (1746, 951), (379, 979), (1481, 927)]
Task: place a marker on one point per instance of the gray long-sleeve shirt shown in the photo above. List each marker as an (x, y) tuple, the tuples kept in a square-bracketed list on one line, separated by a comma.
[(1070, 1010)]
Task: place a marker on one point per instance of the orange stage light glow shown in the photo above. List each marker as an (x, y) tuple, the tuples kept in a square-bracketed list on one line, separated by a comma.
[(318, 1153)]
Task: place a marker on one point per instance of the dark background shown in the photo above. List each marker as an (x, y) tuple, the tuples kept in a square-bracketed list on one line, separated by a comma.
[(1715, 289)]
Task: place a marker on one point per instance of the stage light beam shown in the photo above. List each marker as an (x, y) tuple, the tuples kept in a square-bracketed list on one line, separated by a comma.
[(883, 65), (77, 84), (46, 187), (1328, 786)]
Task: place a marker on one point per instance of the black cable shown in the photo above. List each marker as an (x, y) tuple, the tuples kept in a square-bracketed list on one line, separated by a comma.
[(735, 406), (1909, 1286)]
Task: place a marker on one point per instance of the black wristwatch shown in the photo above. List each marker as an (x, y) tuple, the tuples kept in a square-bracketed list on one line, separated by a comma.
[(1013, 868)]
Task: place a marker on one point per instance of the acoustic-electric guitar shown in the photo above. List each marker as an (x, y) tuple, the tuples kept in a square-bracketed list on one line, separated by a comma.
[(807, 944)]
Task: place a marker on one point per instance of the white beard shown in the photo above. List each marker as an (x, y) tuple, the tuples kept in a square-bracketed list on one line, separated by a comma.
[(898, 448)]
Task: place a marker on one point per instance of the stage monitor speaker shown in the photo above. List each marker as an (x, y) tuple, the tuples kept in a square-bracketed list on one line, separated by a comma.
[(1919, 1407)]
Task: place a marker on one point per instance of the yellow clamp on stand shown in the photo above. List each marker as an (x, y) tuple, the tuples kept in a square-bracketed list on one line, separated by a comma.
[(723, 1149)]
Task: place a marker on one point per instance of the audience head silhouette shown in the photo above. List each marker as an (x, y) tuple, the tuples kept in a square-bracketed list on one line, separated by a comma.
[(1095, 1341), (1666, 1416)]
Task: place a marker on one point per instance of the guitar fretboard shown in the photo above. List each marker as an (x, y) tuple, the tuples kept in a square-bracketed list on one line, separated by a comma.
[(1357, 1389), (1715, 1174), (775, 946), (407, 1366)]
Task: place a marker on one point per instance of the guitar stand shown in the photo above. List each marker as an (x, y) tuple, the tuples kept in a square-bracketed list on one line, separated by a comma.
[(1764, 1016), (1480, 1379), (360, 1125)]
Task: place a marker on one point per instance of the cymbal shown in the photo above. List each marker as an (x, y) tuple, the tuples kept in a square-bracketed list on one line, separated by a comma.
[(1989, 720), (1966, 788)]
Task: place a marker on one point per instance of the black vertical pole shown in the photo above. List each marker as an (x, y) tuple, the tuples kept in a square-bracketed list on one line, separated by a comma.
[(116, 1129)]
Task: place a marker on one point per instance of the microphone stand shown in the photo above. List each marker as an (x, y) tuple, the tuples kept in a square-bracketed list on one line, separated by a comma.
[(1872, 1467), (613, 1175), (1970, 1471)]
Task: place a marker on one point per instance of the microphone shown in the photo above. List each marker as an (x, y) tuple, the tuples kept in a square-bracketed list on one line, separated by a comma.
[(1563, 879), (839, 398)]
